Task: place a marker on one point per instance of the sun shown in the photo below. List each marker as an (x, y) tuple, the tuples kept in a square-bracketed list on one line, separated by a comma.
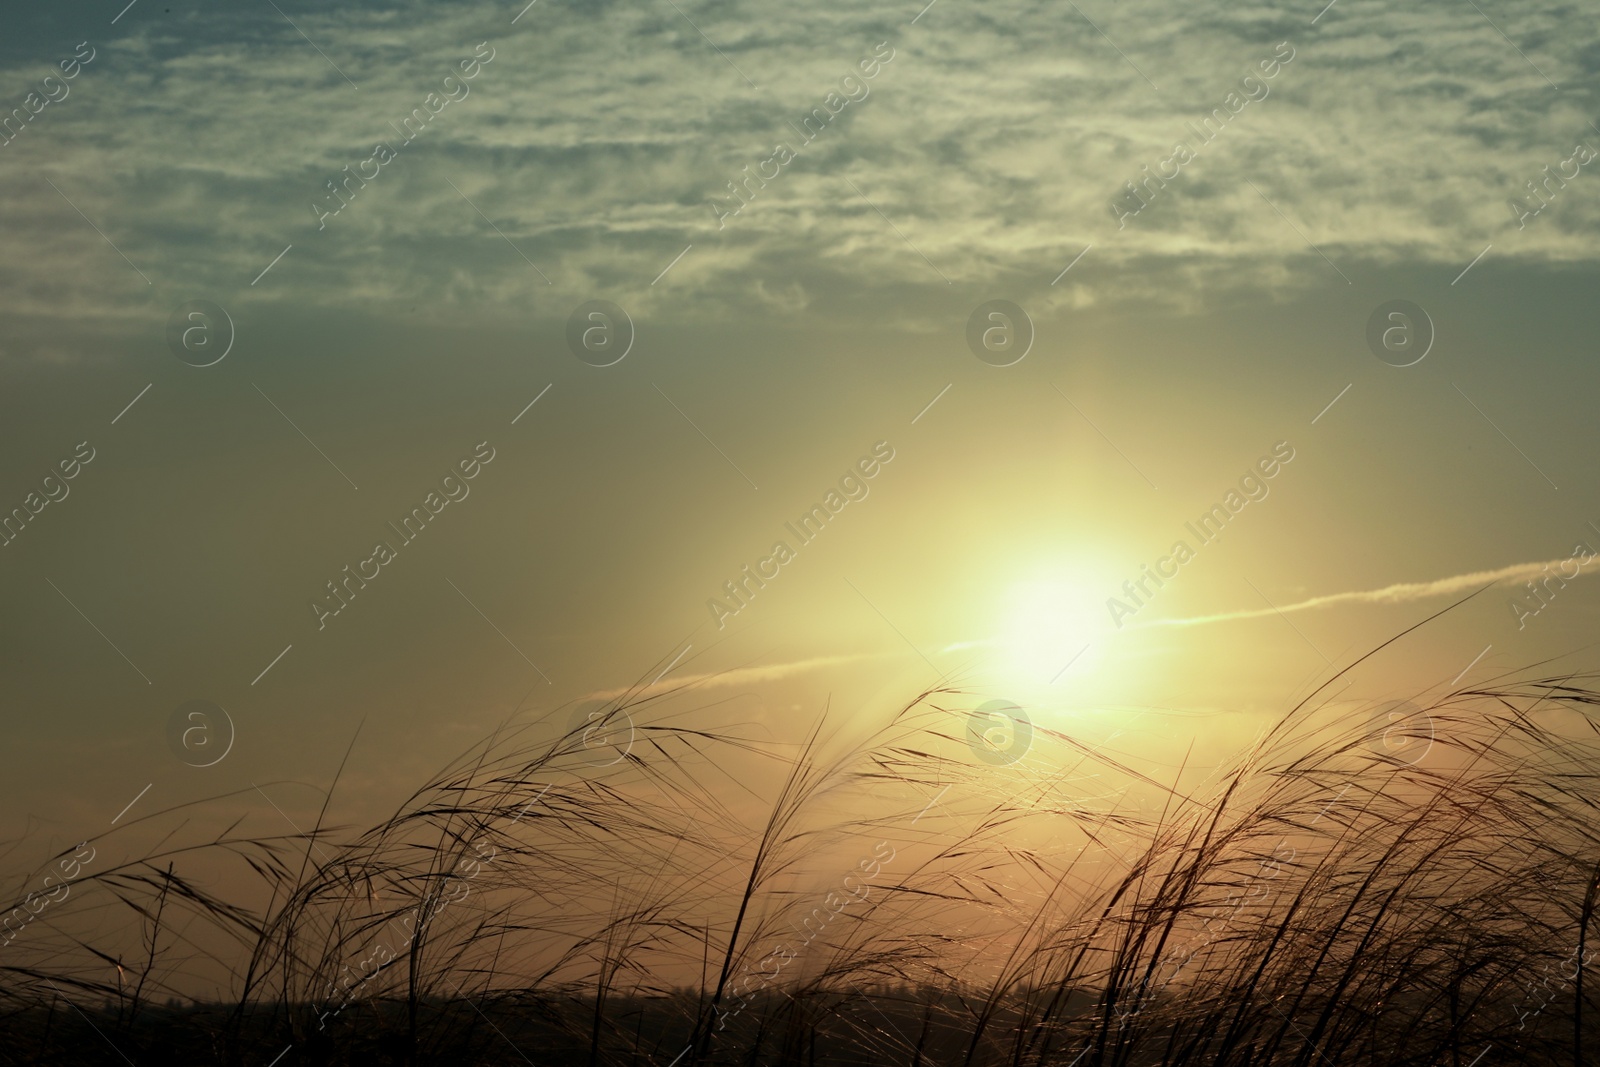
[(1054, 626)]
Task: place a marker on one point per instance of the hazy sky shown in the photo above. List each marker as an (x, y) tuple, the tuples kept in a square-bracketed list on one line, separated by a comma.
[(588, 158)]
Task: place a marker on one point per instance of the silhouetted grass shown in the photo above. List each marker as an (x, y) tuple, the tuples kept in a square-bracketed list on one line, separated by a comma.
[(1333, 897)]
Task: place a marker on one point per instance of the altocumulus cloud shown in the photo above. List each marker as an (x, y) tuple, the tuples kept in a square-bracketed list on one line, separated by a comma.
[(993, 143)]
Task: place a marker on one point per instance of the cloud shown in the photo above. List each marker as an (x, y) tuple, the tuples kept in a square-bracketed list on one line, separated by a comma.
[(989, 149), (737, 677), (1398, 593)]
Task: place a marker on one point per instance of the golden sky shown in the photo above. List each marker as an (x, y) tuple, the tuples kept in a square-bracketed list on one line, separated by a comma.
[(895, 172)]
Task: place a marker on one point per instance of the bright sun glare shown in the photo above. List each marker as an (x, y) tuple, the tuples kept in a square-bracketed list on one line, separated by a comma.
[(1053, 627)]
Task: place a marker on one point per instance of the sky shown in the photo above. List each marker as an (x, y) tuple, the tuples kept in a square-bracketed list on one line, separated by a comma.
[(794, 223)]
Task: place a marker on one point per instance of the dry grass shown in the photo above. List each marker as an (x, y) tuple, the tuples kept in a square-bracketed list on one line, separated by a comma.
[(1329, 899)]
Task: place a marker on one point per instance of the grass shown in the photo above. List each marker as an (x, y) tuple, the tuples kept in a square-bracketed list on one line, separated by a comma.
[(1334, 896)]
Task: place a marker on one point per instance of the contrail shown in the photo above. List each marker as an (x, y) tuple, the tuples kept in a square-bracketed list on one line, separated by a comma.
[(735, 676), (1399, 593)]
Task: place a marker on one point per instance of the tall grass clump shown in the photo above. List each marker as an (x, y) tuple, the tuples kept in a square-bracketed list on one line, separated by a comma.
[(1355, 887)]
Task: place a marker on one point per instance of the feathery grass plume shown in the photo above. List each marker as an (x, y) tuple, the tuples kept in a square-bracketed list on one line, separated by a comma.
[(1346, 890)]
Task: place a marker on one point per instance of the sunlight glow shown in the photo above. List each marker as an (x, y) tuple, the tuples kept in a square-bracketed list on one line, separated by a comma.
[(1053, 627)]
